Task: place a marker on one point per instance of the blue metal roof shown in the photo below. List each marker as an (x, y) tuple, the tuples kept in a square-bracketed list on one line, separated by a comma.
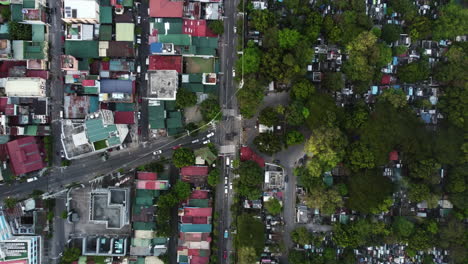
[(156, 47), (197, 228), (116, 86)]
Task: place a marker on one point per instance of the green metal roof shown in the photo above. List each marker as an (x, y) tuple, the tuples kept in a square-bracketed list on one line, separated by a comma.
[(176, 39), (198, 228), (105, 14), (127, 3), (159, 240), (16, 12), (105, 32), (96, 131), (190, 50), (174, 120), (34, 50), (144, 200), (203, 203), (205, 51), (83, 65), (205, 42), (144, 226), (193, 87), (124, 107), (206, 154), (90, 89), (170, 105), (29, 4), (195, 77), (213, 89), (82, 49), (157, 124), (156, 116), (174, 25), (38, 33), (183, 259), (31, 130)]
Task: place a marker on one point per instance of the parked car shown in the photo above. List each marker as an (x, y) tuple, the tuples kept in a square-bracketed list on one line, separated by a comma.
[(226, 233), (210, 135), (139, 115), (31, 179), (176, 147), (195, 141), (157, 152), (206, 142), (225, 254), (138, 19)]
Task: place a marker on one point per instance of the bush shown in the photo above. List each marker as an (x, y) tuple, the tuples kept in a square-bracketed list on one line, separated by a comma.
[(217, 26)]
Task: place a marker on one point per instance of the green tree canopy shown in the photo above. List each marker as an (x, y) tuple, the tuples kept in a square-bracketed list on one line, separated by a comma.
[(214, 177), (262, 19), (268, 116), (418, 192), (397, 98), (250, 59), (360, 157), (391, 32), (452, 22), (217, 26), (288, 38), (294, 114), (183, 157), (294, 137), (273, 206), (70, 255), (185, 98), (327, 145), (250, 233), (402, 227), (210, 109), (414, 71), (301, 236), (250, 97), (250, 180), (10, 202), (247, 255), (182, 190), (268, 143), (358, 233), (368, 190), (333, 81), (302, 90)]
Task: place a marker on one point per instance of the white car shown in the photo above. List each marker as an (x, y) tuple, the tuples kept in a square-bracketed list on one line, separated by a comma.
[(157, 152), (226, 180), (235, 29), (233, 72), (147, 61), (230, 186), (139, 69), (146, 76), (210, 135), (206, 142), (31, 179), (139, 115), (138, 19), (227, 161), (138, 40), (225, 189), (195, 141)]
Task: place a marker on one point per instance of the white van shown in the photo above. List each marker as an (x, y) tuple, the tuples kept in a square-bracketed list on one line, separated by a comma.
[(228, 162)]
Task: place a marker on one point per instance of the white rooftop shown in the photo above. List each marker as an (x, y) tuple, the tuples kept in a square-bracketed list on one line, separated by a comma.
[(81, 9)]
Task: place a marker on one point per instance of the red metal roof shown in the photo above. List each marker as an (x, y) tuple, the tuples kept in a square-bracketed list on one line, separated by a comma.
[(247, 153), (191, 211), (3, 104), (199, 194), (194, 171), (393, 156), (149, 176), (386, 79), (163, 62), (40, 74), (88, 83), (193, 252), (124, 117), (24, 155), (197, 28), (166, 8), (199, 260)]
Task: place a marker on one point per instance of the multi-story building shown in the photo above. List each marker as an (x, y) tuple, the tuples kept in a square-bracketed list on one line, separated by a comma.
[(21, 249), (80, 11)]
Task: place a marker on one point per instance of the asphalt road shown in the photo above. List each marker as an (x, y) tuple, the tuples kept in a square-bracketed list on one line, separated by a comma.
[(227, 53), (56, 76), (143, 53), (86, 169)]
